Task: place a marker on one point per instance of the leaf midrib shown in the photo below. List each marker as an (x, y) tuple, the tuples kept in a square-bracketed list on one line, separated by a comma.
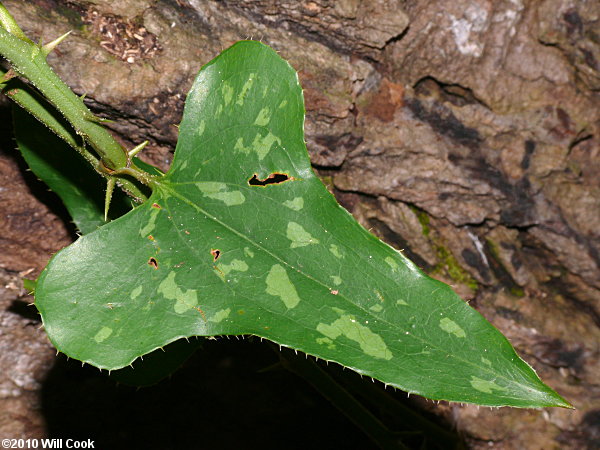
[(166, 188)]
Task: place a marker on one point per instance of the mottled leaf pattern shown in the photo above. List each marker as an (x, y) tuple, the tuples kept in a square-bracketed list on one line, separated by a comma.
[(212, 254)]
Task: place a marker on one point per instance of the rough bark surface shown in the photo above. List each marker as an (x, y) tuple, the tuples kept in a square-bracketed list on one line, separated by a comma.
[(466, 133)]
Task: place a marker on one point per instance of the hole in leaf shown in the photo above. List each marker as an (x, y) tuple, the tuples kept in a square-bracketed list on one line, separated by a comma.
[(274, 178), (216, 253), (152, 262)]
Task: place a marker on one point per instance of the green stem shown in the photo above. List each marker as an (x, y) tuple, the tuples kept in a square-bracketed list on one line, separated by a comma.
[(30, 61), (36, 105), (8, 23)]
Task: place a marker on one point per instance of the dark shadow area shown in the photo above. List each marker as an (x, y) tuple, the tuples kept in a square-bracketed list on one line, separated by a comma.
[(225, 397), (25, 310), (232, 394)]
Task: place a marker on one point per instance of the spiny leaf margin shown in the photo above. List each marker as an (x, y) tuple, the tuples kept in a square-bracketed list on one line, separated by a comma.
[(301, 289)]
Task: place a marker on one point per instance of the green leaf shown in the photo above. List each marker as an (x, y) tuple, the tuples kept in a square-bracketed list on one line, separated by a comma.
[(217, 251), (80, 188)]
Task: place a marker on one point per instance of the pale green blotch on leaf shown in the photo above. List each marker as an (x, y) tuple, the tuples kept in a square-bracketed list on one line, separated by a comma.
[(279, 285), (335, 251), (227, 92), (393, 264), (149, 227), (261, 145), (370, 343), (299, 236), (296, 204), (240, 147), (186, 300), (248, 252), (263, 117), (245, 88), (236, 264), (103, 334), (282, 104), (171, 291), (201, 127), (218, 191), (136, 292), (450, 326), (336, 280), (486, 361), (484, 385), (401, 302), (221, 315), (376, 308), (326, 341)]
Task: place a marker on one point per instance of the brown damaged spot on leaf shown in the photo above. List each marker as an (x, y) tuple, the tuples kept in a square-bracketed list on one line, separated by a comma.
[(215, 253), (197, 308), (274, 178), (153, 262), (384, 103), (156, 205)]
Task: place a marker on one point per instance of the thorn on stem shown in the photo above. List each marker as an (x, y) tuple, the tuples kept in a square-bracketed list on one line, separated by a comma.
[(46, 49), (135, 150), (110, 187)]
